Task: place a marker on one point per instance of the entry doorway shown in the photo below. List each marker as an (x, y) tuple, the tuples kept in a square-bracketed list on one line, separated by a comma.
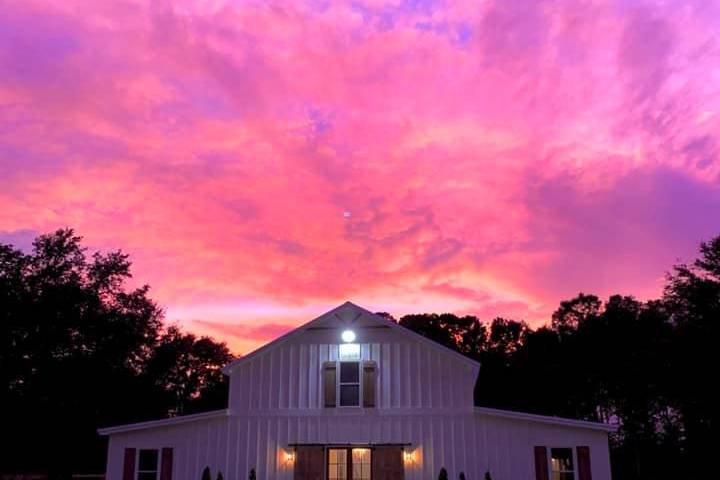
[(349, 463)]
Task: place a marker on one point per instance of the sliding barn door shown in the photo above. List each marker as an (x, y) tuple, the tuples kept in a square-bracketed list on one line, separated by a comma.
[(387, 463), (309, 463)]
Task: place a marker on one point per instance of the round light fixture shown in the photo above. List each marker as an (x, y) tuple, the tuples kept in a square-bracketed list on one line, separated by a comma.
[(348, 336)]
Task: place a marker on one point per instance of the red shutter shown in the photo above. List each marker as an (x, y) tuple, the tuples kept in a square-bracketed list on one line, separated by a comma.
[(387, 463), (329, 383), (129, 464), (583, 458), (541, 463), (309, 463), (368, 384), (166, 464)]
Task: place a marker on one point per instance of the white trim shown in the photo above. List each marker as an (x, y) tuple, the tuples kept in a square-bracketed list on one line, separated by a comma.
[(165, 422), (531, 417), (227, 369)]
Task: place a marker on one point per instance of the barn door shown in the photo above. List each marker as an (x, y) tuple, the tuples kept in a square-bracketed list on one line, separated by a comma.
[(309, 463), (387, 463)]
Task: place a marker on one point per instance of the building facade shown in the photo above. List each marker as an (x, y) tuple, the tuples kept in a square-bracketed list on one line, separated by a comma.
[(353, 396)]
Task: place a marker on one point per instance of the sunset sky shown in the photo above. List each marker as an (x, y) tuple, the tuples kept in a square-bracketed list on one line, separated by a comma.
[(262, 162)]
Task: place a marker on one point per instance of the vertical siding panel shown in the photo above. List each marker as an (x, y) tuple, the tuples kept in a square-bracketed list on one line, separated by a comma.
[(302, 368), (396, 376), (313, 371), (407, 369), (293, 377), (273, 380), (282, 379), (385, 362)]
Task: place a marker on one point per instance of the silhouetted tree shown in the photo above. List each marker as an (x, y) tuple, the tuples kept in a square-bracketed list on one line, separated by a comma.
[(79, 349), (443, 474)]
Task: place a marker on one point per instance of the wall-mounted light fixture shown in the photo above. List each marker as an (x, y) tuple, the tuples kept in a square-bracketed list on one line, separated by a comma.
[(348, 336), (289, 457)]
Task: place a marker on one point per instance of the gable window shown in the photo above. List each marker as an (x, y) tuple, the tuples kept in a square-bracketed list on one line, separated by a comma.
[(148, 465), (561, 464), (349, 384)]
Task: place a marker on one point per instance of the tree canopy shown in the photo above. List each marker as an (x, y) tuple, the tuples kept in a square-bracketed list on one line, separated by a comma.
[(81, 349)]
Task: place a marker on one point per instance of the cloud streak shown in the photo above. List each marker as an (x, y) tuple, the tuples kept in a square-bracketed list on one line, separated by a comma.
[(488, 158)]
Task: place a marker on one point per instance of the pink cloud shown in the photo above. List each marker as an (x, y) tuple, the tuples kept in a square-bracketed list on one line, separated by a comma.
[(416, 156)]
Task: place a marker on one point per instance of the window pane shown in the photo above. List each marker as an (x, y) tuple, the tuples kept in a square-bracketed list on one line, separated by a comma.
[(349, 395), (147, 476), (148, 460), (349, 372), (561, 459)]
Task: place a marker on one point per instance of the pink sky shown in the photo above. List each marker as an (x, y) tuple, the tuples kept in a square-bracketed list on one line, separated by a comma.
[(263, 162)]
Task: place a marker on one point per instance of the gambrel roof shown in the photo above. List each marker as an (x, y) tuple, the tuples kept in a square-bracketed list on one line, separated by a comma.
[(350, 315)]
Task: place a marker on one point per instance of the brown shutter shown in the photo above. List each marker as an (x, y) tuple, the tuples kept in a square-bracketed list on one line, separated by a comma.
[(369, 384), (583, 459), (166, 463), (387, 463), (129, 464), (541, 463), (329, 383), (309, 463)]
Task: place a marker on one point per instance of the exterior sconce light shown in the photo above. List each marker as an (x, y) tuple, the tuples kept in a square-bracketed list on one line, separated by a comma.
[(289, 457), (408, 456), (348, 336)]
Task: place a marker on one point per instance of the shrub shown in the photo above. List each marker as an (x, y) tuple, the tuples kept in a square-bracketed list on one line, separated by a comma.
[(206, 474), (443, 474), (252, 475), (487, 475), (462, 476)]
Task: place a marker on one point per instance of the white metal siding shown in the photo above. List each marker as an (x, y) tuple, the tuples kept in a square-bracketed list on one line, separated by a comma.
[(472, 443), (410, 375)]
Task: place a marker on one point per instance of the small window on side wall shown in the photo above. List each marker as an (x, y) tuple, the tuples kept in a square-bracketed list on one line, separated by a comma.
[(561, 464), (148, 465)]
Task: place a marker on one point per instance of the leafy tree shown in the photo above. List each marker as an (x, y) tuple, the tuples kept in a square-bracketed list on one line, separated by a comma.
[(81, 349)]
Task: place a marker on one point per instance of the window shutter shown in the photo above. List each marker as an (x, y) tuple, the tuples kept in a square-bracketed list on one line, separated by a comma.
[(166, 464), (129, 464), (369, 384), (583, 459), (329, 383), (541, 463), (309, 463), (387, 463)]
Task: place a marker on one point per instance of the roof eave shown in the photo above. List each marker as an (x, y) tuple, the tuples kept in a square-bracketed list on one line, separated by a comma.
[(531, 417), (165, 422)]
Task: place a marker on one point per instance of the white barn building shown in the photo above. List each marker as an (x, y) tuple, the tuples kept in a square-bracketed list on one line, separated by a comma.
[(353, 396)]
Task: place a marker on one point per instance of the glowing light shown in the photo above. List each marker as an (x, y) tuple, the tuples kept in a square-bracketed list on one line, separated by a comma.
[(348, 336)]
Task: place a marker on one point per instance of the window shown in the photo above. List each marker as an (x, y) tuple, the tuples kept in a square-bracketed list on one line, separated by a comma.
[(349, 384), (147, 465), (361, 464), (561, 464), (337, 464), (349, 463)]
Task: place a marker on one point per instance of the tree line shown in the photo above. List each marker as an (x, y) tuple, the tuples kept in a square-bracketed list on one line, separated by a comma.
[(80, 349), (649, 367)]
